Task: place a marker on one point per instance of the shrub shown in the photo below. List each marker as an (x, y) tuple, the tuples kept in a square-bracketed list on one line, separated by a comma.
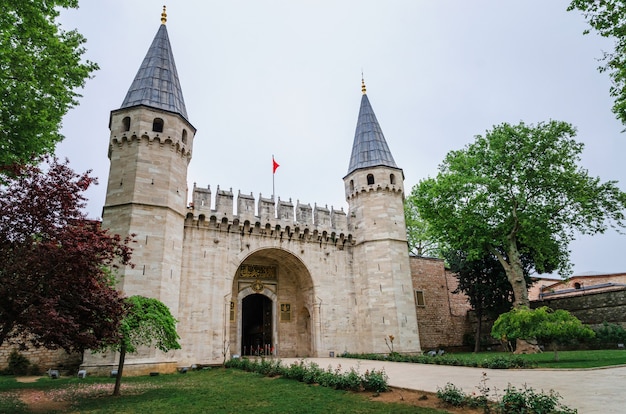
[(610, 333), (452, 395), (527, 401), (375, 381), (313, 374), (18, 364)]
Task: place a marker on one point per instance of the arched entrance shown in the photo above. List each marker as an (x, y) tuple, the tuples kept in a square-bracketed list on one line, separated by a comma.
[(256, 325), (273, 306)]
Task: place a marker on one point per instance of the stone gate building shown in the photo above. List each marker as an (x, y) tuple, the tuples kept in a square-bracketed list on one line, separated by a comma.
[(253, 276)]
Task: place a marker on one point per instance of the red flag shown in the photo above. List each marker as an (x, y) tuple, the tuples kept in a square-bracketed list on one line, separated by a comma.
[(275, 165)]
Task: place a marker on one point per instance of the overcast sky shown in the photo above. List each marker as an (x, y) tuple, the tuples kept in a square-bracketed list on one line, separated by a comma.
[(283, 77)]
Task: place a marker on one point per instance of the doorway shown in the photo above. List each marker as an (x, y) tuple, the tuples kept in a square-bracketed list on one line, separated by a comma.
[(256, 324)]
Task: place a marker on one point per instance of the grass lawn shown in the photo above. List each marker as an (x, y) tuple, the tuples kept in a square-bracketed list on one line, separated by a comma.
[(215, 391), (567, 359)]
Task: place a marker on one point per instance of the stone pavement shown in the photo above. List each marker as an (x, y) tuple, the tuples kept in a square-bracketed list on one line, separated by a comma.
[(590, 391)]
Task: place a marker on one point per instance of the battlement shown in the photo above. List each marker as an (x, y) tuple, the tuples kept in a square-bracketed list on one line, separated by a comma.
[(151, 138), (268, 216)]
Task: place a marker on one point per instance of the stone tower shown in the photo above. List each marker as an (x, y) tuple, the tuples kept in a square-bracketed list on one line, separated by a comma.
[(150, 148), (375, 194)]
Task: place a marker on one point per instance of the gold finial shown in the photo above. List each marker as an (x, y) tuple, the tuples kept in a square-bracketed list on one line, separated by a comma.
[(163, 16), (362, 84)]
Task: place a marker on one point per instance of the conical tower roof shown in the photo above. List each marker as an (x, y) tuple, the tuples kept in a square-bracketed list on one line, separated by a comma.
[(370, 147), (156, 83)]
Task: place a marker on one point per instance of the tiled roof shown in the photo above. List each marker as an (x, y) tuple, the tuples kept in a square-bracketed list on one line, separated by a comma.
[(156, 83), (369, 148)]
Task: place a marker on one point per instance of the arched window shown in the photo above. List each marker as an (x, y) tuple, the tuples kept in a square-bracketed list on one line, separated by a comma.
[(370, 179), (392, 179), (351, 185), (184, 136), (157, 125), (577, 285), (126, 124)]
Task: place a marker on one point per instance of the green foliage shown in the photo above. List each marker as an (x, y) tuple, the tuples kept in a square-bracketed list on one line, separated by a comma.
[(498, 361), (513, 401), (610, 333), (518, 191), (543, 323), (148, 322), (311, 373), (528, 401), (41, 68), (452, 395), (421, 242), (607, 17), (18, 363)]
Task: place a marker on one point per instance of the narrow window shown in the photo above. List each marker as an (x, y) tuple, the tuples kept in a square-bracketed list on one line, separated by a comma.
[(351, 185), (184, 136), (419, 299), (392, 179), (370, 179), (157, 125), (126, 124)]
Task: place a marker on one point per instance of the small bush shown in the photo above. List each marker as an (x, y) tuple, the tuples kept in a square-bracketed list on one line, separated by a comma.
[(610, 333), (18, 364), (527, 401), (452, 395), (375, 381)]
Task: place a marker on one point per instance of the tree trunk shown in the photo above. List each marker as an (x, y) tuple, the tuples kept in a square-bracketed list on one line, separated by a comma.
[(478, 332), (120, 368), (556, 351), (515, 274)]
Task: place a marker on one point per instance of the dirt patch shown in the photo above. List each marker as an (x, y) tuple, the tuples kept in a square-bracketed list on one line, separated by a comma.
[(419, 399), (40, 402)]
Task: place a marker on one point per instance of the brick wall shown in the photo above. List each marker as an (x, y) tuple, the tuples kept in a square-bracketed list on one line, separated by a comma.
[(443, 320)]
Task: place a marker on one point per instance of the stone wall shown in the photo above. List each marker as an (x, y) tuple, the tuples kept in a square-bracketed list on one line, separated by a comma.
[(44, 359), (443, 319), (592, 308)]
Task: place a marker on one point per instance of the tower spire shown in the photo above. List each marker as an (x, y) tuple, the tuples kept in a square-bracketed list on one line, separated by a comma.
[(156, 83), (370, 148)]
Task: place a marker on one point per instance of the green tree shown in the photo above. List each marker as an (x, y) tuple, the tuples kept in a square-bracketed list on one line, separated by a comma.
[(518, 192), (544, 324), (147, 322), (485, 284), (608, 18), (421, 243), (40, 70)]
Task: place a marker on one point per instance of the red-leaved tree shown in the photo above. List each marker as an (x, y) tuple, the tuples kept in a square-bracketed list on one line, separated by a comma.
[(57, 287)]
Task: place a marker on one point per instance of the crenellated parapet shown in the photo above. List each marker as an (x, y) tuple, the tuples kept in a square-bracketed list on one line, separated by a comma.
[(267, 217), (153, 139)]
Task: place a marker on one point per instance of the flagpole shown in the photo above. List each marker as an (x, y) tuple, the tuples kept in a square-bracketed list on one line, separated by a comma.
[(273, 174)]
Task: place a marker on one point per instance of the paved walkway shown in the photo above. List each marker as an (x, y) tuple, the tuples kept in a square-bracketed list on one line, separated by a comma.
[(590, 391)]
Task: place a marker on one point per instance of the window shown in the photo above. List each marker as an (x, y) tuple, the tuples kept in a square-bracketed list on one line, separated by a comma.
[(370, 179), (351, 185), (157, 125), (419, 299), (126, 124), (184, 136), (392, 179)]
